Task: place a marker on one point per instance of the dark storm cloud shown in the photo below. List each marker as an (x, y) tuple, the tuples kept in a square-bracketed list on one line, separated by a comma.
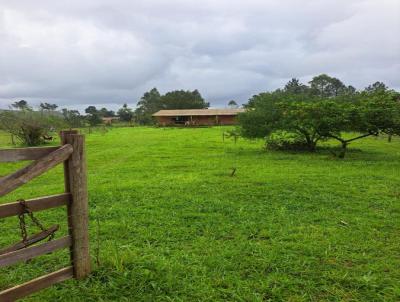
[(107, 52)]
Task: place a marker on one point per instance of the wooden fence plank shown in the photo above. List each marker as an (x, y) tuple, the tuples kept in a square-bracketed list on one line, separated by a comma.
[(34, 251), (30, 287), (36, 204), (38, 167), (17, 154)]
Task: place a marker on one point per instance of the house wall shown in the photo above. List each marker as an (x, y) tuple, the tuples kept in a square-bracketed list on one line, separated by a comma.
[(227, 120), (202, 120)]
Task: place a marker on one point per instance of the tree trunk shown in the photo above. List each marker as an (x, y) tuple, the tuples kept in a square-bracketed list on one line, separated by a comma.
[(312, 145), (342, 152)]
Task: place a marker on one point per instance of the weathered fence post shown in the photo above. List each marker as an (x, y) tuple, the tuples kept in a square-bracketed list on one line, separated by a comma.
[(72, 154), (76, 184)]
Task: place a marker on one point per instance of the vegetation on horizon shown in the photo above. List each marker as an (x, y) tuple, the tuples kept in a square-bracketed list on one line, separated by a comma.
[(296, 117)]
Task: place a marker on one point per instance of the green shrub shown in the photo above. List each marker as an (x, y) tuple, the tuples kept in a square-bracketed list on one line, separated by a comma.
[(30, 127), (282, 140)]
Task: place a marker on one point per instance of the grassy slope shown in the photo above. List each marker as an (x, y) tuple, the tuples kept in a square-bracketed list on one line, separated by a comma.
[(175, 226)]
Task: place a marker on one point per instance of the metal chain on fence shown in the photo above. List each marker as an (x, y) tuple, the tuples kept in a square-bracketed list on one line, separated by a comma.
[(22, 223)]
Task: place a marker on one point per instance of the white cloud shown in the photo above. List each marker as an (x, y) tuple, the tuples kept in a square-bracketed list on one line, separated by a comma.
[(107, 52)]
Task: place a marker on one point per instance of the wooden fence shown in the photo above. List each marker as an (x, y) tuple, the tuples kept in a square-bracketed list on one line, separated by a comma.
[(72, 154)]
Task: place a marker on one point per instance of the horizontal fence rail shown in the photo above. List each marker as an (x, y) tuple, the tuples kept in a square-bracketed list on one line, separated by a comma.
[(36, 204), (34, 251), (13, 181), (30, 287), (17, 154)]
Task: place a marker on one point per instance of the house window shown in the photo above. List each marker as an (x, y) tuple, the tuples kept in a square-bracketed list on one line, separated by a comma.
[(180, 119)]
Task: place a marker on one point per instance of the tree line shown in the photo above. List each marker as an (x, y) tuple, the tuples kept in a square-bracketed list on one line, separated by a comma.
[(151, 102), (296, 116), (32, 127)]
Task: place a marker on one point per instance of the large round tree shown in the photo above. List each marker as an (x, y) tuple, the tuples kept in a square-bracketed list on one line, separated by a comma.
[(308, 120)]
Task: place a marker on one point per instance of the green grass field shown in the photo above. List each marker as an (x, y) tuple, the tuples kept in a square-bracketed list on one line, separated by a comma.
[(171, 224)]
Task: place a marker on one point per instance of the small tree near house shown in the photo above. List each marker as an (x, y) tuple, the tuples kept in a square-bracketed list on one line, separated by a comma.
[(232, 104), (125, 113), (93, 116)]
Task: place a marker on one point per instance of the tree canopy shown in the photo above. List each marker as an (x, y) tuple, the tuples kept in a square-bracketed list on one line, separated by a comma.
[(48, 106), (295, 87), (21, 105), (233, 104), (93, 116), (72, 118), (181, 99), (125, 113), (104, 112), (303, 118), (152, 101), (148, 104)]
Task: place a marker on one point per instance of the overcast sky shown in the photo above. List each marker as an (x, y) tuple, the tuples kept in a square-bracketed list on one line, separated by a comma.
[(75, 53)]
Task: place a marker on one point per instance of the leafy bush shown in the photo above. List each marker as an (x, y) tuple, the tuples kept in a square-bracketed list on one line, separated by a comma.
[(30, 127), (281, 140)]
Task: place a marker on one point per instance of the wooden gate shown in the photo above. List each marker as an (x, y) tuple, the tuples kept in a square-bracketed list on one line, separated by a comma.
[(72, 154)]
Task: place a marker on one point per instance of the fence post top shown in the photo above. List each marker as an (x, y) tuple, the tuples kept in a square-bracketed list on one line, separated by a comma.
[(66, 135), (68, 132)]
